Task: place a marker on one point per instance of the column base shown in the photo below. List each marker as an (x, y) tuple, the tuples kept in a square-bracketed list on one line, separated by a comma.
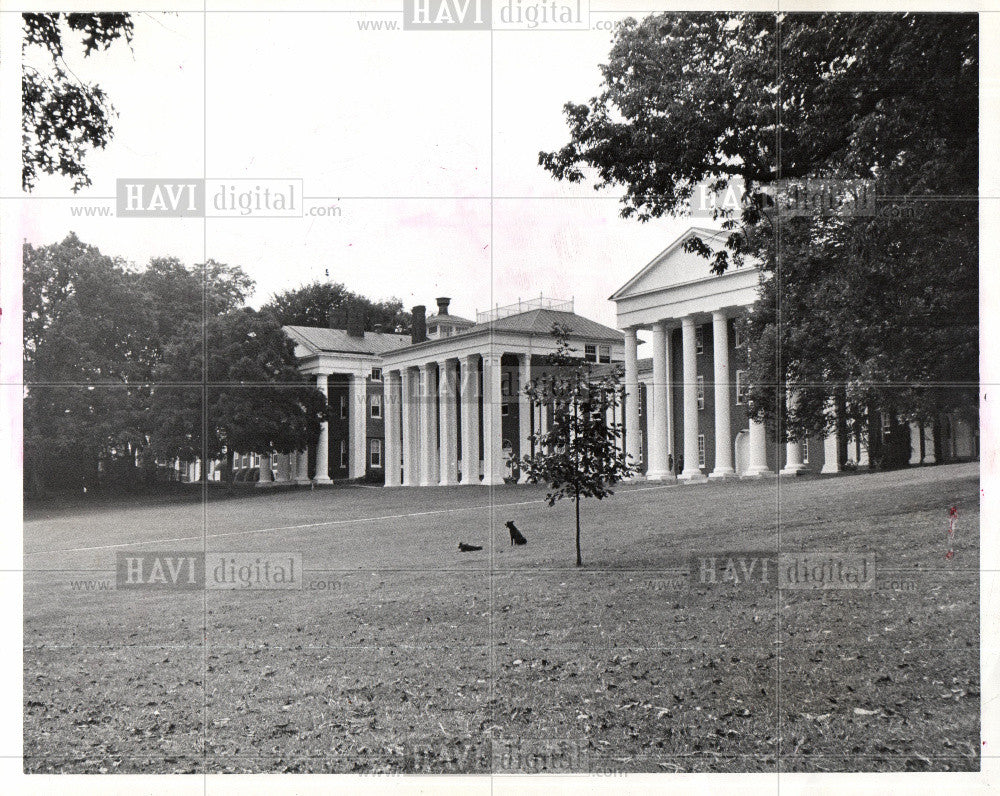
[(692, 477), (929, 459), (757, 472), (265, 484), (323, 481), (722, 475), (793, 469), (447, 482), (830, 469), (659, 475), (302, 482)]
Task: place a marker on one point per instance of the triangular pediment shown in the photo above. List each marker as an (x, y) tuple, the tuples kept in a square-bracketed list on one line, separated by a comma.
[(674, 266)]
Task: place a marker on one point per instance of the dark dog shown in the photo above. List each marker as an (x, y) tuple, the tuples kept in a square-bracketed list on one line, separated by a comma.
[(516, 537), (468, 548)]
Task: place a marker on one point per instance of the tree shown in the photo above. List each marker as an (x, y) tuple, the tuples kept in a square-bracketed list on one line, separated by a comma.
[(312, 304), (95, 330), (884, 301), (62, 117), (579, 456), (245, 392)]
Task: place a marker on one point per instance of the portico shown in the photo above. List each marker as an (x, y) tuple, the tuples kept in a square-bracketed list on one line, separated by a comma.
[(689, 312)]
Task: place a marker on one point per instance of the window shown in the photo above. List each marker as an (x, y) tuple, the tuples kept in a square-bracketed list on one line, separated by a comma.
[(504, 410), (737, 336), (886, 423), (742, 387), (505, 383), (446, 331), (604, 353), (375, 452), (343, 454), (590, 353), (376, 406), (805, 451), (701, 450), (376, 374), (699, 340), (432, 329), (701, 392), (639, 435), (343, 407)]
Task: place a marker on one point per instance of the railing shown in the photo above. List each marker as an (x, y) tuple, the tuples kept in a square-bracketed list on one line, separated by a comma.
[(526, 305)]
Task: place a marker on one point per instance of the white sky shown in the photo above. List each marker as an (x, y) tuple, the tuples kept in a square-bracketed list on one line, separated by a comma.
[(412, 131)]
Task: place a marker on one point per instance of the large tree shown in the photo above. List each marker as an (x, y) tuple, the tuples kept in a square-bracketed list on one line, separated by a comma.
[(312, 305), (235, 389), (95, 329), (885, 302), (63, 117)]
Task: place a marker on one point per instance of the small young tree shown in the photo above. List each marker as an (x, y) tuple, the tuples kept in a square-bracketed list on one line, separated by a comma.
[(579, 456)]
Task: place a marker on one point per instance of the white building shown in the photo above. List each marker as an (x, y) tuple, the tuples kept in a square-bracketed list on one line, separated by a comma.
[(688, 398), (444, 405)]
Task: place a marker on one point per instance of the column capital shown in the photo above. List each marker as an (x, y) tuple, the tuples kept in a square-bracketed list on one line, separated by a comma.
[(687, 322)]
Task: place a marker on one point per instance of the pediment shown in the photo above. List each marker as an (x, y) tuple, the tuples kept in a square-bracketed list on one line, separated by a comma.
[(673, 266)]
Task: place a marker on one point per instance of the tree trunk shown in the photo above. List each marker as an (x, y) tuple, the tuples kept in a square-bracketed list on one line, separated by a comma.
[(579, 559)]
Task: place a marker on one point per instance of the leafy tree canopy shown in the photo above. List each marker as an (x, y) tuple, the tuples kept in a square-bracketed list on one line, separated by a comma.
[(61, 116)]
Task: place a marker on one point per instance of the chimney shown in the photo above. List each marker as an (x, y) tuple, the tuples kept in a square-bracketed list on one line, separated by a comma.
[(419, 325), (336, 319), (355, 322), (443, 303)]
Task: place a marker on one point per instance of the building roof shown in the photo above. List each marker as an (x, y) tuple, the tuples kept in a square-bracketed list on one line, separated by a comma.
[(321, 339), (703, 232), (455, 320), (539, 322)]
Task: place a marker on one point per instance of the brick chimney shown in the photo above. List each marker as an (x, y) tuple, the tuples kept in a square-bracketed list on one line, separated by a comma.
[(419, 325), (355, 322), (443, 303)]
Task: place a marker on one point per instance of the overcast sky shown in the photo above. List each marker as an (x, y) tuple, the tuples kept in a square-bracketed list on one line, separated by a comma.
[(409, 133)]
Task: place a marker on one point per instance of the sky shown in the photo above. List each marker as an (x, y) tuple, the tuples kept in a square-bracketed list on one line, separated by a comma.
[(427, 143)]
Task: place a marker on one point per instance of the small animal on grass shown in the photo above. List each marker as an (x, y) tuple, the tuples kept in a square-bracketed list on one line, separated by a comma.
[(468, 548), (516, 537)]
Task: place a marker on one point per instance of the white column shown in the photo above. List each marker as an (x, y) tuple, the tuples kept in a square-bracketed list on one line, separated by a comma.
[(691, 473), (283, 468), (633, 448), (265, 477), (793, 447), (448, 424), (929, 457), (914, 442), (357, 399), (409, 416), (863, 448), (493, 464), (391, 400), (723, 399), (757, 465), (469, 394), (831, 444), (656, 446), (301, 466), (427, 449), (524, 409), (323, 445)]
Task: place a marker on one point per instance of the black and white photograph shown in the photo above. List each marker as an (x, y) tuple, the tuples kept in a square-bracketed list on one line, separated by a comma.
[(499, 396)]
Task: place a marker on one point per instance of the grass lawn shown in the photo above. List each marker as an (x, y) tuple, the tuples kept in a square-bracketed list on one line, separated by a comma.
[(404, 655)]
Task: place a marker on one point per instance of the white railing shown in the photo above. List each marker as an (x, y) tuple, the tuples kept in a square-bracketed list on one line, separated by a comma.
[(525, 305)]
